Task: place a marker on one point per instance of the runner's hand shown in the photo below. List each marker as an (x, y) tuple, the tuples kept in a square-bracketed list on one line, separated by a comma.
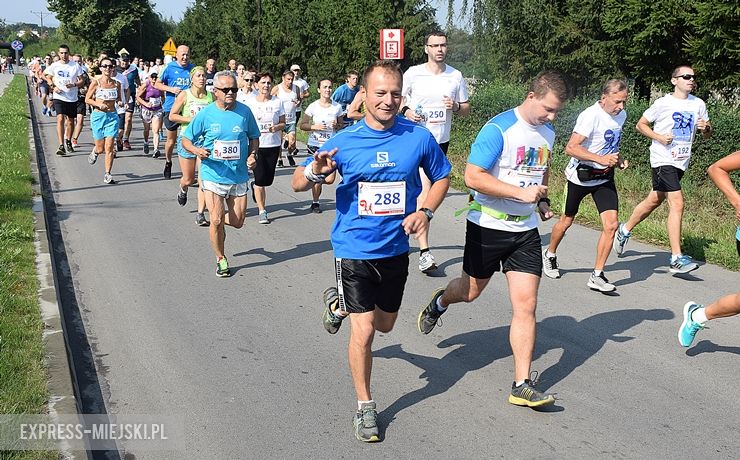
[(623, 163), (251, 161), (545, 212), (665, 139), (413, 116), (533, 193), (415, 223), (448, 103), (203, 153), (609, 160), (323, 162)]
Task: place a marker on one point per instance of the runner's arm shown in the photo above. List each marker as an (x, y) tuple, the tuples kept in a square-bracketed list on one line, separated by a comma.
[(90, 95), (353, 110), (643, 126), (175, 115), (720, 171), (575, 149), (482, 181), (305, 123), (139, 95), (418, 221)]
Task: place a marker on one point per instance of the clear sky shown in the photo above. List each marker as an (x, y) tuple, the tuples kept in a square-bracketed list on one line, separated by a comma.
[(20, 11)]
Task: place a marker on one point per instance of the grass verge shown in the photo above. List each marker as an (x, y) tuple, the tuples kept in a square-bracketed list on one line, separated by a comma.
[(22, 373)]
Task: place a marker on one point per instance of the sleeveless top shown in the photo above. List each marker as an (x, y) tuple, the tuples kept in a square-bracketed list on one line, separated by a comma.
[(106, 94), (193, 105), (153, 96)]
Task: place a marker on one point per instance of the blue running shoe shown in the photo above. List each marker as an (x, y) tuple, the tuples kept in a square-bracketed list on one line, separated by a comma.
[(689, 327), (682, 264)]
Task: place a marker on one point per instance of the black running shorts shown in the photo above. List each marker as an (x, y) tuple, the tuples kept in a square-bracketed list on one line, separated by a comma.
[(65, 108), (168, 124), (81, 107), (488, 251), (667, 178), (604, 195), (365, 284), (264, 170)]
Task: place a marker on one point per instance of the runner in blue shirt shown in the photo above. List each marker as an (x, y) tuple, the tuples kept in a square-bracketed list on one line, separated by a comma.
[(345, 94), (230, 139), (174, 78), (379, 160)]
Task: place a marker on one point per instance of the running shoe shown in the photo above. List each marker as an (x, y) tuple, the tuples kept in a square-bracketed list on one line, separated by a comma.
[(285, 143), (682, 264), (316, 208), (108, 179), (222, 268), (689, 327), (61, 151), (291, 161), (68, 144), (366, 423), (429, 315), (331, 321), (182, 197), (620, 239), (550, 265), (75, 144), (280, 162), (167, 173), (156, 153), (119, 146), (200, 219), (251, 187), (526, 395), (92, 158), (126, 145), (146, 149), (263, 218), (600, 283), (43, 110), (426, 262)]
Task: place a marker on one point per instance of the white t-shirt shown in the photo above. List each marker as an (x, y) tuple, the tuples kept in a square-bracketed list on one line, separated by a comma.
[(678, 116), (124, 86), (603, 133), (62, 74), (243, 97), (424, 90), (302, 86), (267, 114), (288, 98), (517, 153), (326, 115)]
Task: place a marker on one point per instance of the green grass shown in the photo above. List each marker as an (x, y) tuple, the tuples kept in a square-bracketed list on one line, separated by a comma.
[(22, 374)]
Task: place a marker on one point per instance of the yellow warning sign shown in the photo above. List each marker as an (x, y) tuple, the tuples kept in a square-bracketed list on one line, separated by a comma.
[(169, 48)]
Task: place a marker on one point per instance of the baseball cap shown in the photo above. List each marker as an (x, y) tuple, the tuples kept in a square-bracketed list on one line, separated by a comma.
[(295, 67)]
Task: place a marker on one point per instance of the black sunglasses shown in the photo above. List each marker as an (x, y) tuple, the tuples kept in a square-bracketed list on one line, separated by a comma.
[(228, 90), (249, 79), (687, 76), (106, 66)]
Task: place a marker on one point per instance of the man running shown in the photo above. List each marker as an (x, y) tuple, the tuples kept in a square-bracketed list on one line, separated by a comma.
[(303, 90), (81, 106), (121, 110), (64, 77), (345, 94), (433, 92), (507, 171), (379, 160), (172, 80), (230, 142), (210, 73), (594, 151), (696, 316), (675, 118)]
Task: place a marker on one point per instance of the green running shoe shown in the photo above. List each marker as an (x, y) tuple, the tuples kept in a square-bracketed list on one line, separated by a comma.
[(526, 395), (366, 423), (222, 268)]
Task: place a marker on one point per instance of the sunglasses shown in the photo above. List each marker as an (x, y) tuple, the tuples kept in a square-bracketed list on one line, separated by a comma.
[(228, 90), (249, 79), (687, 76), (106, 66)]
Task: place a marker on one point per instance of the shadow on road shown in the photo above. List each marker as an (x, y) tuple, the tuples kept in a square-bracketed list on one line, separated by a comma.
[(300, 250), (707, 346), (475, 350)]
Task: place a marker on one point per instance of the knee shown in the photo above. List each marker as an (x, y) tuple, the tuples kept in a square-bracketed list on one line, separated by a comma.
[(610, 226), (362, 336), (216, 220), (471, 294)]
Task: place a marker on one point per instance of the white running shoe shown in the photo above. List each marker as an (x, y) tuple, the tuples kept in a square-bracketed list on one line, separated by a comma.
[(426, 262), (550, 265)]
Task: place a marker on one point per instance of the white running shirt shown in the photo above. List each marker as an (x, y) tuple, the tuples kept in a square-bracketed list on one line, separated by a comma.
[(318, 115), (267, 114)]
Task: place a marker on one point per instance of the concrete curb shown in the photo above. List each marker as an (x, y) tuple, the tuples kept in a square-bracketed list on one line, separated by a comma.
[(60, 382)]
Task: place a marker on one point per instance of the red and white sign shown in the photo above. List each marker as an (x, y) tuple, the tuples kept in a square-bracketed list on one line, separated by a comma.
[(391, 43)]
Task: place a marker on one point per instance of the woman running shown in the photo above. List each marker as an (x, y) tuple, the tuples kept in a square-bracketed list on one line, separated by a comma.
[(149, 99), (104, 94), (187, 104), (321, 119)]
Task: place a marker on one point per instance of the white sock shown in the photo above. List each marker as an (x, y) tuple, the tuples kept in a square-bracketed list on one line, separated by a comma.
[(440, 308), (360, 403), (549, 254), (699, 315), (675, 257), (518, 382), (598, 272)]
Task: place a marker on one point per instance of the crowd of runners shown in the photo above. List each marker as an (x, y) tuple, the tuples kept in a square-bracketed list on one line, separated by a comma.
[(382, 138)]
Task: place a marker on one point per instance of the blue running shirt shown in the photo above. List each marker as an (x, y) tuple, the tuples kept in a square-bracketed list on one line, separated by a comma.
[(382, 166), (174, 75), (221, 128)]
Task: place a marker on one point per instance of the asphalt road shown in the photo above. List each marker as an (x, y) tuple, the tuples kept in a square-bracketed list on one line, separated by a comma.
[(246, 365)]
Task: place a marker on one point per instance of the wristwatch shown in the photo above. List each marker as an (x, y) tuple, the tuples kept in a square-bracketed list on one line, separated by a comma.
[(427, 212)]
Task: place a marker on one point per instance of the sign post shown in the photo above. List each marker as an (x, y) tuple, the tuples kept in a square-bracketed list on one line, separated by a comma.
[(169, 48), (391, 43), (17, 45)]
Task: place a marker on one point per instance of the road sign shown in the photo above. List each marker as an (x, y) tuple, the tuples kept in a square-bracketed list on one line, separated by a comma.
[(17, 45), (169, 48), (391, 43)]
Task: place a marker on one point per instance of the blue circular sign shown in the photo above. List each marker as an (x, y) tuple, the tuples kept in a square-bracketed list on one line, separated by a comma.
[(17, 45)]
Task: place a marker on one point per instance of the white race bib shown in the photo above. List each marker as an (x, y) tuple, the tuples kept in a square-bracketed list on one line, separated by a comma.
[(154, 102), (289, 117), (61, 83), (381, 198), (195, 108), (226, 150), (524, 176), (435, 115), (265, 127), (680, 151), (107, 94)]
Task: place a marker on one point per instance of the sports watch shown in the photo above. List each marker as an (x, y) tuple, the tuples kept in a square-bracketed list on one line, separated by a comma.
[(427, 212)]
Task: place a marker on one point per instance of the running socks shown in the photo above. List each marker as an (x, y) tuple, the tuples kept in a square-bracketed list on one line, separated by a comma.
[(360, 403), (699, 315)]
